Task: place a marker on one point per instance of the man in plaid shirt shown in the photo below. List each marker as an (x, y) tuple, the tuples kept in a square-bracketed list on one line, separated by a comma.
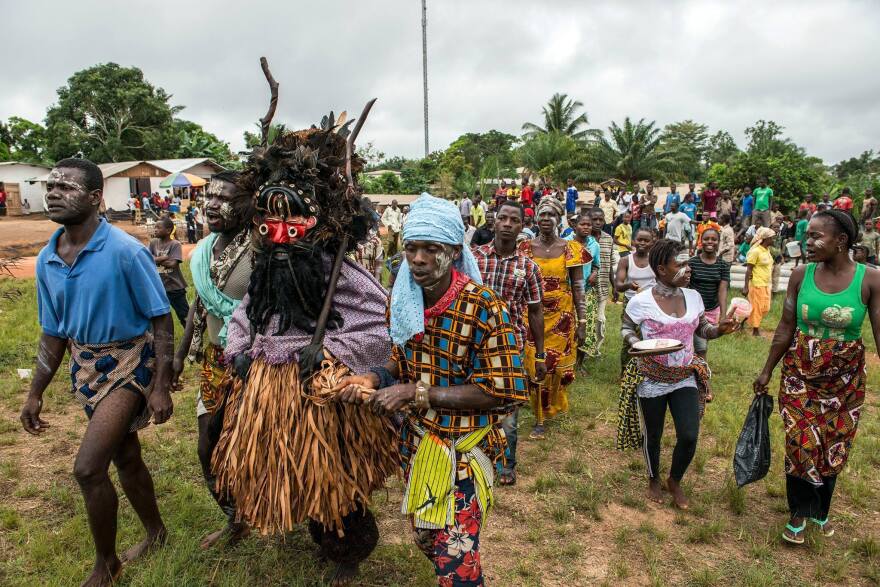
[(608, 258), (517, 280), (455, 372)]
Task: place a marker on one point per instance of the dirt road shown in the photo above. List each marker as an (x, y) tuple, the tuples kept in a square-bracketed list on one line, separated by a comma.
[(22, 237)]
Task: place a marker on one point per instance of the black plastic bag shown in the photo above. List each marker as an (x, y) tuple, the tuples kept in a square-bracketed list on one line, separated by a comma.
[(751, 461)]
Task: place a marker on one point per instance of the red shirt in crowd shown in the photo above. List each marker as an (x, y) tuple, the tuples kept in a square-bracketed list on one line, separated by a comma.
[(808, 206), (527, 197), (710, 200), (843, 203)]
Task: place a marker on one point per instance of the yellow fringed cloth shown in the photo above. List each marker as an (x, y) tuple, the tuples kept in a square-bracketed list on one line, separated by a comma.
[(287, 454)]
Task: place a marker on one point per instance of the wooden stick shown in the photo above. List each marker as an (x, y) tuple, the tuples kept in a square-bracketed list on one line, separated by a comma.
[(266, 121), (309, 355), (349, 146)]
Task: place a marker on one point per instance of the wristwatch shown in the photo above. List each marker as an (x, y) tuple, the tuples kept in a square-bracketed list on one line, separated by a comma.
[(540, 356), (422, 399)]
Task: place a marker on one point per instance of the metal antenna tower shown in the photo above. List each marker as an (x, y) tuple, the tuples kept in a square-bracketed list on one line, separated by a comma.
[(425, 67)]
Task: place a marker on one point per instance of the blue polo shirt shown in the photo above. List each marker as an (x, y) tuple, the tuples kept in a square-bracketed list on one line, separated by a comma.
[(571, 199), (688, 208), (109, 294), (671, 198)]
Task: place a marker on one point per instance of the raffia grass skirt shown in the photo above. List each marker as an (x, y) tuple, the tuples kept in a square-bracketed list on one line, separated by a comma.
[(287, 454)]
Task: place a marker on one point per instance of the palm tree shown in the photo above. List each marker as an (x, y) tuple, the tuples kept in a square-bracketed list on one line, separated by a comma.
[(632, 152), (560, 116), (539, 153)]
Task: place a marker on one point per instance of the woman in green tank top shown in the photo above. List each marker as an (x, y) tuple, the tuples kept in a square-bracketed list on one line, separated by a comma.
[(822, 389)]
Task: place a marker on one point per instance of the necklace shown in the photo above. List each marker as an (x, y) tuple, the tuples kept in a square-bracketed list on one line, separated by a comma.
[(666, 291), (545, 245)]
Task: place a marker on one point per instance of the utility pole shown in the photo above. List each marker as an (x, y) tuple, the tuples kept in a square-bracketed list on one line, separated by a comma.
[(425, 66)]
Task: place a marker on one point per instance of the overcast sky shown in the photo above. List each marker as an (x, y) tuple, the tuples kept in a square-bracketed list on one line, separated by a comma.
[(811, 66)]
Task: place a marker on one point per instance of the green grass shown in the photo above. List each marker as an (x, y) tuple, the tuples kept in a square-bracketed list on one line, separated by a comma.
[(577, 516)]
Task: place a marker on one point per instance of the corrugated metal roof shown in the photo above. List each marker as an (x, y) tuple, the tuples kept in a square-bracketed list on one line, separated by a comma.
[(107, 169), (178, 165), (23, 163), (111, 169)]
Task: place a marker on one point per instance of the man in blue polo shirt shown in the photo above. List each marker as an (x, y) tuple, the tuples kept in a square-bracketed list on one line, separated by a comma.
[(99, 291), (571, 198)]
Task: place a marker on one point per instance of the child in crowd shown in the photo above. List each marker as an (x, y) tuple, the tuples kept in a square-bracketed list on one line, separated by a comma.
[(168, 254)]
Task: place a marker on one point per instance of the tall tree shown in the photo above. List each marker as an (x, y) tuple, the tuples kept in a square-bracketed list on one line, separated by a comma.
[(111, 113), (788, 169), (476, 148), (721, 148), (561, 116), (765, 139), (632, 152), (544, 154), (866, 163), (687, 139), (23, 140), (194, 141)]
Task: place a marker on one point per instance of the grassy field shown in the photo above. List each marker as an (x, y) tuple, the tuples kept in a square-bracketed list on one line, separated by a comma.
[(576, 517)]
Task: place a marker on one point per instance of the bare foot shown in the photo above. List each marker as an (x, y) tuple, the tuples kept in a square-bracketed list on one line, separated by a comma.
[(344, 574), (153, 541), (234, 532), (680, 500), (104, 574), (655, 491)]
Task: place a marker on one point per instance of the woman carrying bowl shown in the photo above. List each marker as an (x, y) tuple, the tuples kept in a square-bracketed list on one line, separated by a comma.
[(822, 389), (670, 376)]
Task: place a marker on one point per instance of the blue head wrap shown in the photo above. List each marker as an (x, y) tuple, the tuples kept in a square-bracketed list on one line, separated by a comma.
[(438, 221)]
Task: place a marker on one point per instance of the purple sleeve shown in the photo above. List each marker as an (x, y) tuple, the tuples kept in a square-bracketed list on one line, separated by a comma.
[(238, 332)]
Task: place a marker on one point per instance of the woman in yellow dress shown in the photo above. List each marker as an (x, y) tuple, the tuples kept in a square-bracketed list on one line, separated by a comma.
[(562, 279)]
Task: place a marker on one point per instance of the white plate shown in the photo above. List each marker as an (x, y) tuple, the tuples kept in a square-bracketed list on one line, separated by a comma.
[(655, 344)]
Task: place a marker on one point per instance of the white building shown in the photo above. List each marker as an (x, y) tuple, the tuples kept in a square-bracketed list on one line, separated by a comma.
[(14, 176), (127, 177)]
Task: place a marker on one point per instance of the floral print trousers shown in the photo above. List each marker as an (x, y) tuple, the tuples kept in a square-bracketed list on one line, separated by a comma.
[(455, 550)]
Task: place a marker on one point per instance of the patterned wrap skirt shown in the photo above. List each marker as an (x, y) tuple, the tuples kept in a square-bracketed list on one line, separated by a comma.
[(629, 416), (820, 401), (216, 380), (98, 369)]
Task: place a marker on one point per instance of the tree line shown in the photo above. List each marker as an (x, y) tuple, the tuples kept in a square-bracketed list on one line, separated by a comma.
[(112, 113)]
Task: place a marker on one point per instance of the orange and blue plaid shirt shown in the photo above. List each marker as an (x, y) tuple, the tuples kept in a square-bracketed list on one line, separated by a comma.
[(471, 342)]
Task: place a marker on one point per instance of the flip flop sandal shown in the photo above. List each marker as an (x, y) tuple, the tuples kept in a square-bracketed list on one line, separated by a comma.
[(507, 478), (537, 433), (828, 531), (794, 535)]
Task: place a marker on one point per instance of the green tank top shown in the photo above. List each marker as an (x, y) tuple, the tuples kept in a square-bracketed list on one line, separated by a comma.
[(838, 316)]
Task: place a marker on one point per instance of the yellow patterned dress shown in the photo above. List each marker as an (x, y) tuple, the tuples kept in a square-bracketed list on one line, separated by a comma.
[(560, 327)]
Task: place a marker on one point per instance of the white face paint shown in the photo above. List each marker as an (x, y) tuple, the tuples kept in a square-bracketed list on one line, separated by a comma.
[(444, 262), (214, 188), (682, 257), (226, 211), (56, 176)]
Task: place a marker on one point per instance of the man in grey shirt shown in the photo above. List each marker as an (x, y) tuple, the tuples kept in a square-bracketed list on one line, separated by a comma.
[(678, 225), (465, 208)]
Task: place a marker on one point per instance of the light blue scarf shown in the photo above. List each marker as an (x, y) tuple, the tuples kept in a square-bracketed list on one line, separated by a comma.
[(215, 301), (434, 220)]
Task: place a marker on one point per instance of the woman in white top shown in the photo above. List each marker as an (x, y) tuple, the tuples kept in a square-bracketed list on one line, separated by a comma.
[(677, 379), (634, 274)]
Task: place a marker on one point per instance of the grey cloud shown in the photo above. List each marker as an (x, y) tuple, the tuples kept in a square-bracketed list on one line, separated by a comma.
[(808, 65)]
